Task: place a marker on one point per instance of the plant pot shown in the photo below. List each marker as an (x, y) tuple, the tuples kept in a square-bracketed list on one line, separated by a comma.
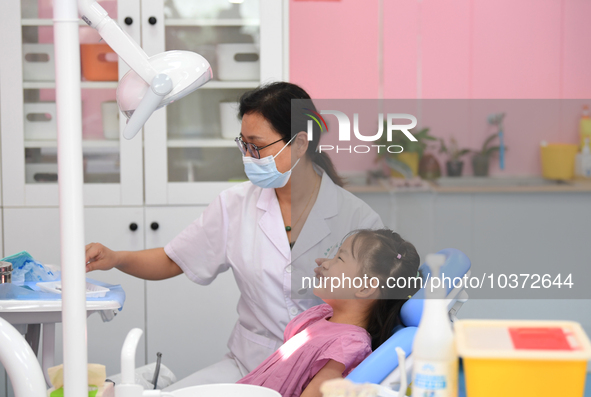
[(429, 167), (480, 165), (454, 168), (409, 158)]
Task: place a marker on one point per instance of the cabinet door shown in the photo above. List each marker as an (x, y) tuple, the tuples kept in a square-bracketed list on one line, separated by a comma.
[(109, 226), (112, 166), (188, 323), (190, 151)]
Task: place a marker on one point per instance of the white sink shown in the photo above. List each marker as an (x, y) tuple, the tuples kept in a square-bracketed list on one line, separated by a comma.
[(225, 390)]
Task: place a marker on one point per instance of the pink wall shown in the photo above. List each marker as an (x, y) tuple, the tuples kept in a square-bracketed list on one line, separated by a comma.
[(499, 49)]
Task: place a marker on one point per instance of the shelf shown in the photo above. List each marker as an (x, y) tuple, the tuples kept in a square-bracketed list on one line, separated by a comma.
[(167, 22), (84, 84), (43, 22), (488, 185), (210, 22), (85, 144), (193, 143), (216, 84)]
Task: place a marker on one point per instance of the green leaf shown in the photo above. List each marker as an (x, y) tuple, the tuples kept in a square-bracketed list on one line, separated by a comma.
[(442, 147), (488, 141)]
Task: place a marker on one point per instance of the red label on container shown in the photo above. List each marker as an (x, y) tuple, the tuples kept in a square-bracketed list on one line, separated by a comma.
[(539, 338)]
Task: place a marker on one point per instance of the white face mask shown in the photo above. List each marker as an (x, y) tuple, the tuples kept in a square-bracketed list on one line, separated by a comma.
[(263, 172)]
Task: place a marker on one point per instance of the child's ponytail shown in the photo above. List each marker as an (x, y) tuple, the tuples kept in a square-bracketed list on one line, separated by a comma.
[(382, 320), (387, 256)]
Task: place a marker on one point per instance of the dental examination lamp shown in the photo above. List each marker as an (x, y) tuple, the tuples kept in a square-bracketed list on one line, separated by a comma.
[(153, 82)]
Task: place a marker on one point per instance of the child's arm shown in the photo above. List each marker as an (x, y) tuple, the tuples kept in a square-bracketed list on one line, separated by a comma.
[(333, 369)]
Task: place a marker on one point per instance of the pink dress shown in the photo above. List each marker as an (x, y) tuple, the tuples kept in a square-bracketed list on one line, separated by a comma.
[(310, 340)]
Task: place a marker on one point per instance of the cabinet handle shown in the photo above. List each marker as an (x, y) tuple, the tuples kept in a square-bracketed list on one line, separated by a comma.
[(154, 226), (128, 20), (152, 20), (133, 226)]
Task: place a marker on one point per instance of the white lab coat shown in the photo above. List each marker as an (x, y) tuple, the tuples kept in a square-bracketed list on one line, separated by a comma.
[(243, 229)]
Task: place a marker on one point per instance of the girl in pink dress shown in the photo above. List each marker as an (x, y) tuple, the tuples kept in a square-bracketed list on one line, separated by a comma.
[(329, 340)]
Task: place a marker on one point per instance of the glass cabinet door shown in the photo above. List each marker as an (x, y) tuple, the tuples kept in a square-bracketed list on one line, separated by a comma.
[(193, 138), (31, 148)]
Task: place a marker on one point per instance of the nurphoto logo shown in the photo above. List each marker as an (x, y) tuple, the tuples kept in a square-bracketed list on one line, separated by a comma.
[(344, 130)]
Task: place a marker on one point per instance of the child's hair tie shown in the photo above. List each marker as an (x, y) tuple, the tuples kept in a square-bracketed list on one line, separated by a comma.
[(399, 256)]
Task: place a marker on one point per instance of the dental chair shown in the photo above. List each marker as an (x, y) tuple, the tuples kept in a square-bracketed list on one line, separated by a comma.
[(381, 367)]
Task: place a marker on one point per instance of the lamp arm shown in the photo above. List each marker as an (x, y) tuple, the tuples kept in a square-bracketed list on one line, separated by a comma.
[(119, 41)]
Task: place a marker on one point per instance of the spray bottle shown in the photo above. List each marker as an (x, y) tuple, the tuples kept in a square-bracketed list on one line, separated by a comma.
[(585, 126), (435, 369), (583, 161)]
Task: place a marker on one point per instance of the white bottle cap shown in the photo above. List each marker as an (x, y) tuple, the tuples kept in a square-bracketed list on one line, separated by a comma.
[(435, 261)]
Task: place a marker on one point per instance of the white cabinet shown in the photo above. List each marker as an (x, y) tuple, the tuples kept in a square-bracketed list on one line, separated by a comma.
[(188, 323), (113, 170), (188, 160)]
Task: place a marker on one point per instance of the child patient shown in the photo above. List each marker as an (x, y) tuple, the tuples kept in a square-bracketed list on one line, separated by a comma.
[(329, 340)]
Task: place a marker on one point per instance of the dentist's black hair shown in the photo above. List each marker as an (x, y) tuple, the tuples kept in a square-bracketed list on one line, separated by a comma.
[(383, 254), (274, 102)]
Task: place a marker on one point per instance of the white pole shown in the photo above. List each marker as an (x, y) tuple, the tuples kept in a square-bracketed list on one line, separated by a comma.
[(69, 122)]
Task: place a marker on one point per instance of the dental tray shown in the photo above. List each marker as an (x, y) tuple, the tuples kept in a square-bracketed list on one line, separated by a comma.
[(55, 287)]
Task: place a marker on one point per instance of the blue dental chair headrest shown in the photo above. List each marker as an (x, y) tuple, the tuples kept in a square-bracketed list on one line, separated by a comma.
[(456, 265), (378, 365)]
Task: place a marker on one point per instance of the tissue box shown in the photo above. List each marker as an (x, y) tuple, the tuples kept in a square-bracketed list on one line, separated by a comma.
[(238, 62), (38, 62), (40, 121)]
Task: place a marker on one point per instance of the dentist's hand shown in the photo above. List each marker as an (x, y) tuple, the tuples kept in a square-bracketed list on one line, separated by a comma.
[(99, 257)]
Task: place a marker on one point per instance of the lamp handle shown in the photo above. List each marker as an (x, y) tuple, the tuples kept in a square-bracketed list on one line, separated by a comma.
[(160, 87)]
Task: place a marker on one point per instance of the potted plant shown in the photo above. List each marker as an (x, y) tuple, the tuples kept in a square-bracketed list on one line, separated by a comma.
[(429, 168), (453, 165), (480, 159), (408, 160)]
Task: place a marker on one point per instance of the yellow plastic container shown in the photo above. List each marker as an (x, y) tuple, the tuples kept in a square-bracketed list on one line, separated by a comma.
[(523, 358), (409, 158), (558, 160)]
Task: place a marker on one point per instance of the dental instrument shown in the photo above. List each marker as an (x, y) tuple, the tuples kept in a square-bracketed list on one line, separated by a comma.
[(157, 370), (497, 120), (128, 387)]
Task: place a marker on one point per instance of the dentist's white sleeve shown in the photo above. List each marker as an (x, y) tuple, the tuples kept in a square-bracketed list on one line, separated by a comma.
[(200, 249)]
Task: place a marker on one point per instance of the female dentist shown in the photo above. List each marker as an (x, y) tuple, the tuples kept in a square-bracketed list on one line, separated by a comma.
[(290, 212)]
